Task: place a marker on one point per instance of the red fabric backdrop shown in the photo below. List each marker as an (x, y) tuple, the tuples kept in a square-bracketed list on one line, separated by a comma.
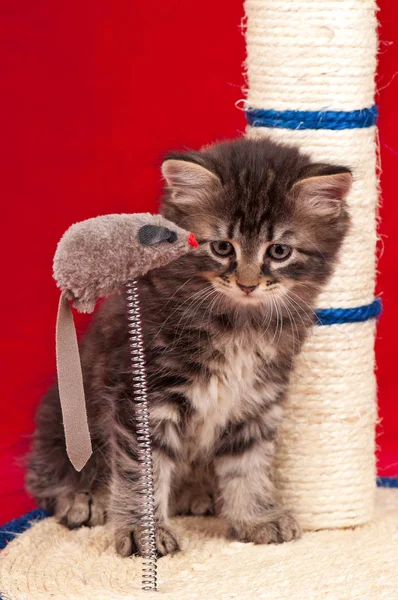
[(94, 93)]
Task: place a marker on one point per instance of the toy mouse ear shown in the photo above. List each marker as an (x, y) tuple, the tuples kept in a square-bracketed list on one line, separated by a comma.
[(149, 235), (70, 386)]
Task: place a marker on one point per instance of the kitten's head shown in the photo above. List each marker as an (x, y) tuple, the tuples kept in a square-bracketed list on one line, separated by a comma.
[(268, 221)]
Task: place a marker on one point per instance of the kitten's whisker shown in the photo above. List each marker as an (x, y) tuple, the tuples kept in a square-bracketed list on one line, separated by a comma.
[(210, 306), (191, 298), (269, 320), (296, 312), (195, 304), (301, 306), (277, 319), (178, 307), (294, 327), (208, 311), (265, 320), (271, 315), (281, 322), (177, 290), (205, 295), (303, 302), (293, 306)]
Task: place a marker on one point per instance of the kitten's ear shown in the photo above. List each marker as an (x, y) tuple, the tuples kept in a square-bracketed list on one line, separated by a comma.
[(188, 179), (322, 189)]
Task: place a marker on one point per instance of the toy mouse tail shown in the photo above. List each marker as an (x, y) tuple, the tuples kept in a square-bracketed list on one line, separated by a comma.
[(70, 386)]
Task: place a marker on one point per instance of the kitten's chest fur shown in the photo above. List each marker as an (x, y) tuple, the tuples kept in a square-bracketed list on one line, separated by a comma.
[(236, 389)]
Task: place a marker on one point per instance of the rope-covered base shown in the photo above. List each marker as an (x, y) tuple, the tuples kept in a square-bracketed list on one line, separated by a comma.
[(48, 561)]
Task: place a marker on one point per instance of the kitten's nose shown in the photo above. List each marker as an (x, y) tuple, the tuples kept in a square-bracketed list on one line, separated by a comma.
[(246, 288)]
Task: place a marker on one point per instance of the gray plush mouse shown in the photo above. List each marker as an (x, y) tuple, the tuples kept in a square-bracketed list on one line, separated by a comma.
[(94, 259)]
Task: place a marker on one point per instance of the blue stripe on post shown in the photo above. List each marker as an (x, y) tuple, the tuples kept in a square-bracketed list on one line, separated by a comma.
[(335, 316), (387, 482), (312, 119)]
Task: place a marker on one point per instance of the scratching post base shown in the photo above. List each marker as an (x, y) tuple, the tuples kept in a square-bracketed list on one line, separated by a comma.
[(48, 561)]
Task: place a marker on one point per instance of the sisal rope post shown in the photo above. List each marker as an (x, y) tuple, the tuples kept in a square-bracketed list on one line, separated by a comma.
[(310, 73)]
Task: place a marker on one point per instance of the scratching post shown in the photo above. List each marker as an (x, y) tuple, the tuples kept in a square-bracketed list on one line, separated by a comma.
[(310, 74)]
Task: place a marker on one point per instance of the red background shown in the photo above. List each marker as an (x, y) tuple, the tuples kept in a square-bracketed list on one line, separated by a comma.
[(93, 94)]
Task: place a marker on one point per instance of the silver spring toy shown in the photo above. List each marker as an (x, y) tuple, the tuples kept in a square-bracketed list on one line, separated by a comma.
[(141, 407)]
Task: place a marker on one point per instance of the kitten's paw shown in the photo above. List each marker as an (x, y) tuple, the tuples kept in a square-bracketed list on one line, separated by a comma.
[(166, 541), (202, 505), (194, 504), (128, 541), (279, 527), (82, 508)]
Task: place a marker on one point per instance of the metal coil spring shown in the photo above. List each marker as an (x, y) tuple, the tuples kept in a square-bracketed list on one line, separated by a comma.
[(146, 484)]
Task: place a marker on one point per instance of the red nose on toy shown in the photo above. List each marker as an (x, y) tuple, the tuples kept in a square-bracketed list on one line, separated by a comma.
[(192, 241)]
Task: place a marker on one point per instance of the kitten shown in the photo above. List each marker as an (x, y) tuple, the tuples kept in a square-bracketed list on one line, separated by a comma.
[(222, 327)]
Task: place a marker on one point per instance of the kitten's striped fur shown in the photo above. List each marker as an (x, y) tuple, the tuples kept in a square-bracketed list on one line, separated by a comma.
[(218, 358)]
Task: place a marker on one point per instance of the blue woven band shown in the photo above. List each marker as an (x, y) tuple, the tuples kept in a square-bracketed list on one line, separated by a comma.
[(312, 119), (334, 316)]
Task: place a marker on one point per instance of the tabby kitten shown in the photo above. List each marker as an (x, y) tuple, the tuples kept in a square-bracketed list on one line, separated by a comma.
[(222, 327)]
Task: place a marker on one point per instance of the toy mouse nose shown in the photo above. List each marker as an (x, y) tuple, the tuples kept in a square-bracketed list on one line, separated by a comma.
[(246, 288), (192, 241)]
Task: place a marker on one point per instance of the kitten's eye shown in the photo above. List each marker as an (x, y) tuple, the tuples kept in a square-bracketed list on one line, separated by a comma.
[(222, 248), (279, 251)]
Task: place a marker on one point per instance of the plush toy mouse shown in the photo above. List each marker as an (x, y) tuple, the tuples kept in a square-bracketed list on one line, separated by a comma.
[(96, 258)]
